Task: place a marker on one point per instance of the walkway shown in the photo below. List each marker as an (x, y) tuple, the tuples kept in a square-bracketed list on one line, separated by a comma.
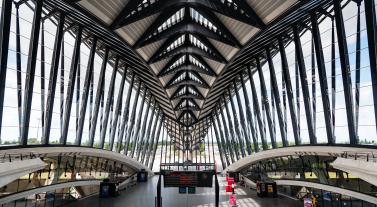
[(143, 196)]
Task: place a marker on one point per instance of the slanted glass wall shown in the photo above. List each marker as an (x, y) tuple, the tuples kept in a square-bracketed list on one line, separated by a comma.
[(361, 88), (112, 95)]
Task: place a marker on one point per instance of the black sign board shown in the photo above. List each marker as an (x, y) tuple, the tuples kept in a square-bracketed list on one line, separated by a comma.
[(182, 190), (142, 177), (204, 179), (188, 179), (191, 190)]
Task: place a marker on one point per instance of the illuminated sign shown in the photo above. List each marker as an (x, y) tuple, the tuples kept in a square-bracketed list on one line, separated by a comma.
[(188, 179)]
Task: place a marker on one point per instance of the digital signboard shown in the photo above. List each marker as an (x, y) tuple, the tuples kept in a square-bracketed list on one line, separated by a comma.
[(188, 179)]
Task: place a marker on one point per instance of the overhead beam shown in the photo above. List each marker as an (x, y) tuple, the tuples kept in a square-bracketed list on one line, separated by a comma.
[(189, 49), (187, 67), (127, 9), (182, 28), (232, 10), (187, 80)]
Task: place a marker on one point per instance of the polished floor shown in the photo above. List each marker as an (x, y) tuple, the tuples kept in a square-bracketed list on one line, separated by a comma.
[(143, 195)]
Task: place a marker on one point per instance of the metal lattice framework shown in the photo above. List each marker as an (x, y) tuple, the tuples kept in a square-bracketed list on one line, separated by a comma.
[(187, 63)]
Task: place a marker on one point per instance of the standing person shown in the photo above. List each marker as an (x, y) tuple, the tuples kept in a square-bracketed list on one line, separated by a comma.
[(233, 188)]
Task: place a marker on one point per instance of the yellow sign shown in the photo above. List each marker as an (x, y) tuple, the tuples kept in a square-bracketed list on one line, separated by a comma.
[(270, 189)]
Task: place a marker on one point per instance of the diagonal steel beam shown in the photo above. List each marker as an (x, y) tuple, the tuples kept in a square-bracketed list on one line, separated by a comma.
[(187, 80), (30, 70), (163, 48), (346, 71), (266, 103), (188, 67), (148, 120), (126, 111), (230, 9), (323, 78), (189, 48), (236, 123), (118, 110), (208, 14), (53, 79), (71, 86), (211, 47), (304, 84), (249, 115), (153, 136), (127, 9), (221, 140), (99, 94), (5, 22), (257, 110), (370, 16), (157, 137), (242, 119), (136, 128), (130, 125), (182, 28), (229, 136), (149, 136), (150, 31), (289, 90), (186, 87), (186, 99), (19, 75), (109, 103)]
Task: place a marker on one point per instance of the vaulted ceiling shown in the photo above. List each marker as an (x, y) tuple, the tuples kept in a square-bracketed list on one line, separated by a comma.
[(187, 44)]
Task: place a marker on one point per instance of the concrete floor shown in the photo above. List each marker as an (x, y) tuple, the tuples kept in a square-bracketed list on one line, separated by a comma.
[(143, 195)]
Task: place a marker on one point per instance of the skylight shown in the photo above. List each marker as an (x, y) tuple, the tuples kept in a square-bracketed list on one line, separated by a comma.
[(178, 42), (194, 78), (197, 17), (182, 91), (190, 103), (196, 62), (192, 91), (177, 17), (177, 63), (179, 78), (197, 43), (186, 90)]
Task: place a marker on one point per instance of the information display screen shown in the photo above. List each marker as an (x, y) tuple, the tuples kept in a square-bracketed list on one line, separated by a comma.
[(180, 179), (188, 179)]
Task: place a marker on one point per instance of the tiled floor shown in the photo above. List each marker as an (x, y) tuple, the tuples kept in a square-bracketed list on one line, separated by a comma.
[(143, 195)]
